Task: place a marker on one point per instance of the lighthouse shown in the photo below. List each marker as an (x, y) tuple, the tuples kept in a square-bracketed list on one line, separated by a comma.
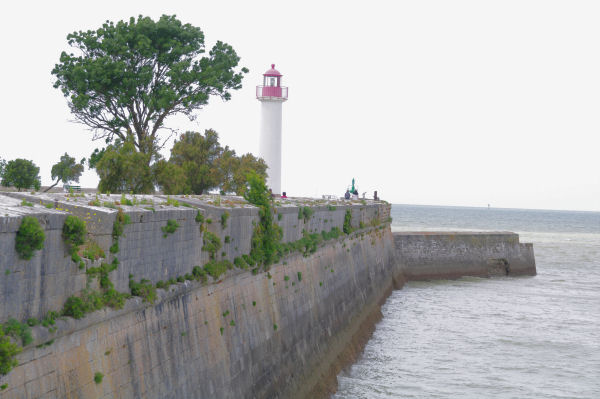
[(271, 95)]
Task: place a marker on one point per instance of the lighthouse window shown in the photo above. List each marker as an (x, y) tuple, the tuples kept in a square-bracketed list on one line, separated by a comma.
[(272, 82)]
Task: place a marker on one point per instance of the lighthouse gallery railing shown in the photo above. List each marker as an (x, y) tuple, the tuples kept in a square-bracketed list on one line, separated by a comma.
[(272, 91)]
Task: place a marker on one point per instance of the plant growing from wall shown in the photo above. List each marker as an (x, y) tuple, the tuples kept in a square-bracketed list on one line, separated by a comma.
[(74, 233), (347, 228), (217, 268), (224, 218), (267, 234), (8, 353), (170, 228), (143, 289), (30, 237), (199, 217), (212, 243), (307, 212)]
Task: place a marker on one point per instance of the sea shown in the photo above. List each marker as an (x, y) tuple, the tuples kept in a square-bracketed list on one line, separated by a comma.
[(505, 337)]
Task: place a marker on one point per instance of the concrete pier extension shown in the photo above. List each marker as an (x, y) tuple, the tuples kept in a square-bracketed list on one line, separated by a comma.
[(450, 255)]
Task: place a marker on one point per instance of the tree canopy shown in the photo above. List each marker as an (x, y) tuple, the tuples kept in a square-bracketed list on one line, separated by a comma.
[(127, 78), (66, 170), (198, 164), (21, 173), (122, 169)]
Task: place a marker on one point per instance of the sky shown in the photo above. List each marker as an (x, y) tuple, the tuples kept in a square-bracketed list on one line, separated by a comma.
[(464, 103)]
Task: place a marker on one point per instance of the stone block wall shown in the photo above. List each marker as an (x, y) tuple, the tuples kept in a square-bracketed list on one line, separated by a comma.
[(254, 336), (31, 288), (45, 282), (449, 255)]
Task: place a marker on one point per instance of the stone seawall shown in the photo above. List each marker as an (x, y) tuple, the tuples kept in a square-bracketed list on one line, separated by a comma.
[(264, 335), (252, 336), (450, 255)]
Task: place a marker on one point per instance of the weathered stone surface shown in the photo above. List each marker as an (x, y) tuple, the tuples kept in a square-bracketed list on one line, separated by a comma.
[(449, 255), (175, 349)]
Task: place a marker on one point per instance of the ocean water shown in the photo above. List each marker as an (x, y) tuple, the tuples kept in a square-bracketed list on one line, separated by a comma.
[(525, 337)]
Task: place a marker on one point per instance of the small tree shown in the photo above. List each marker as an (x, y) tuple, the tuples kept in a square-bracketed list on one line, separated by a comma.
[(2, 165), (123, 170), (171, 178), (66, 170), (21, 173), (198, 154)]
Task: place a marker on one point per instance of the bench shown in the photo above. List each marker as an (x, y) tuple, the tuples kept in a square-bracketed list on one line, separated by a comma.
[(68, 188)]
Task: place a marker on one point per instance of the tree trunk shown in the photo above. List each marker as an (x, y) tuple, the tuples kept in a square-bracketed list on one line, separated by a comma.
[(52, 186)]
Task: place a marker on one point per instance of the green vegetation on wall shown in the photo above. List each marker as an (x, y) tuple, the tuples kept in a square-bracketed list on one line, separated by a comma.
[(74, 233), (30, 237), (212, 243)]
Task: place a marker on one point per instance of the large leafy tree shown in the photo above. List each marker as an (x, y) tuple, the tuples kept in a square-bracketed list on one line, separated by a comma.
[(125, 79), (2, 165), (66, 170), (21, 173)]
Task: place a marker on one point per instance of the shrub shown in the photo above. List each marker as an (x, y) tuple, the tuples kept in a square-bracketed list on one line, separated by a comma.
[(224, 217), (227, 239), (115, 247), (18, 330), (199, 218), (161, 284), (212, 243), (31, 322), (299, 276), (30, 237), (93, 251), (240, 263), (199, 274), (74, 232), (331, 207), (279, 216), (248, 260), (286, 278), (8, 352), (217, 268), (347, 222), (361, 224), (98, 376), (180, 279), (143, 289), (170, 228), (307, 212), (75, 307), (25, 203)]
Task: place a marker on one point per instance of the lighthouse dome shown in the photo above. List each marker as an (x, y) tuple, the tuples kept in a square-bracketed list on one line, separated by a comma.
[(272, 71)]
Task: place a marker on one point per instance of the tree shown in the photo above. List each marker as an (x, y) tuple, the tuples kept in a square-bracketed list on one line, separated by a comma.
[(247, 164), (66, 170), (124, 170), (128, 78), (198, 156), (171, 178), (2, 165), (21, 173)]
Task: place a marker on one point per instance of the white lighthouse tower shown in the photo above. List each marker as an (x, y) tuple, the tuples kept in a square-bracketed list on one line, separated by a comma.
[(271, 95)]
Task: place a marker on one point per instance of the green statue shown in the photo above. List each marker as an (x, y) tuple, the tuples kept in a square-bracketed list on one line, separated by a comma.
[(352, 185)]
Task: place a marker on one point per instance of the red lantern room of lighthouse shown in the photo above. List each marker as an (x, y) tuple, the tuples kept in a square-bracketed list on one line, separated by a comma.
[(271, 88)]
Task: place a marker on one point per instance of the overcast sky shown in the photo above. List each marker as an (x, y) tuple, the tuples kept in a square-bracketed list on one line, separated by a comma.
[(429, 102)]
